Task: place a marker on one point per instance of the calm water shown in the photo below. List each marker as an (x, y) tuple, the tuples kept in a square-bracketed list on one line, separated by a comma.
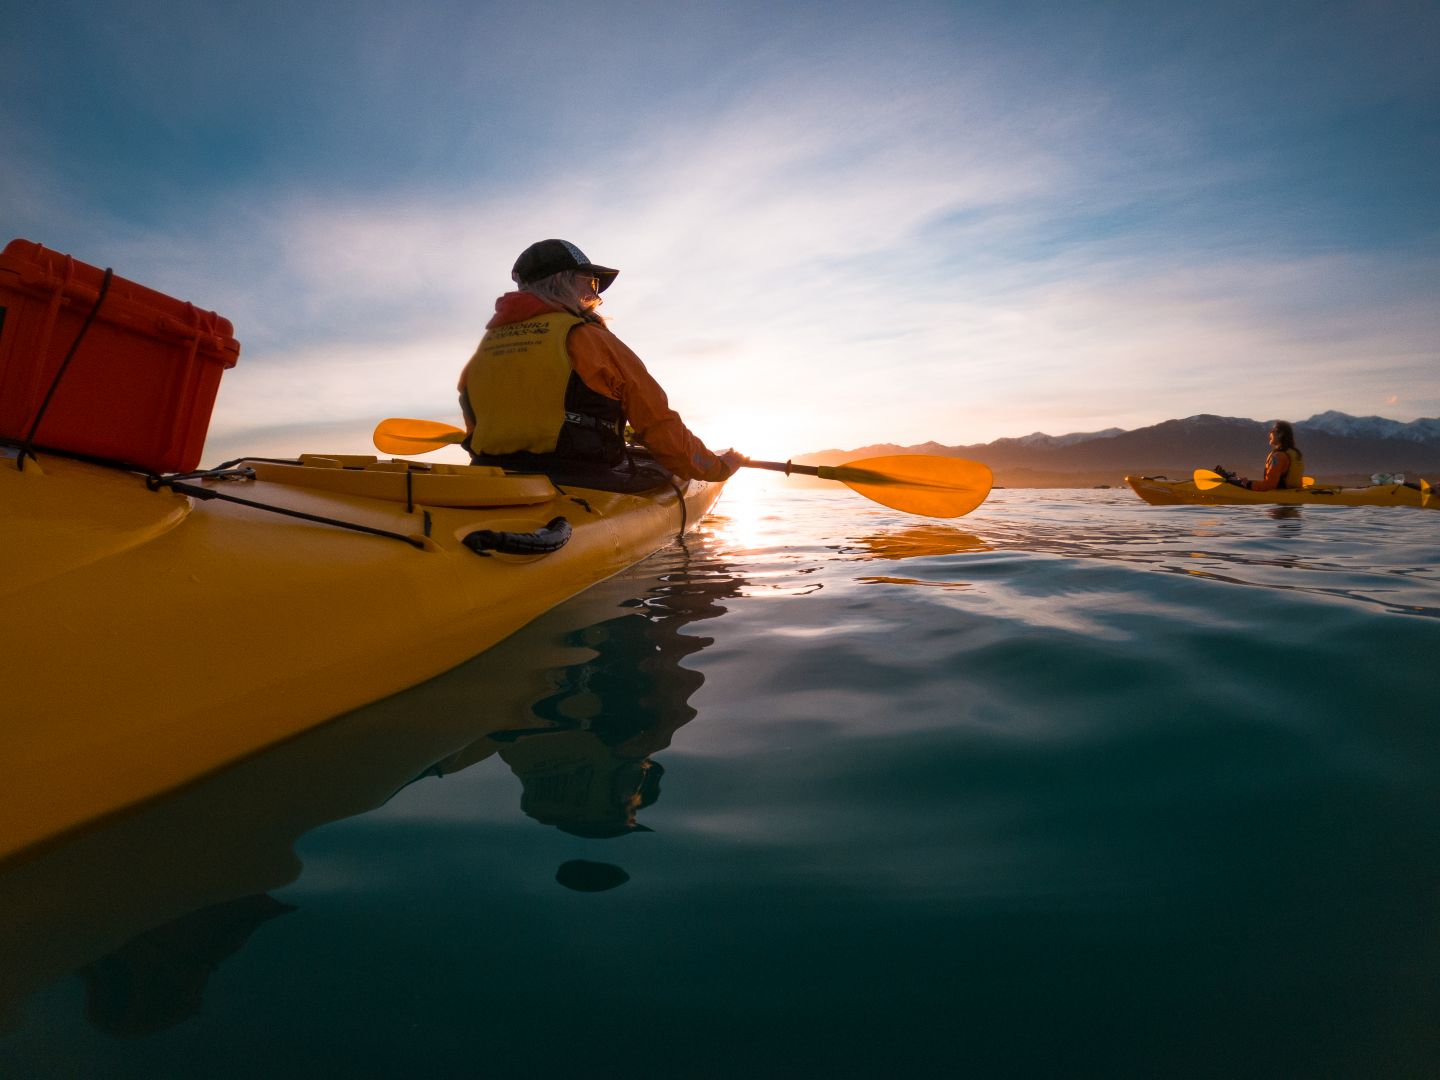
[(1071, 787)]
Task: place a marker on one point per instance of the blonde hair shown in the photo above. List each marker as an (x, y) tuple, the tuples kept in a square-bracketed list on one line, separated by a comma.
[(563, 291)]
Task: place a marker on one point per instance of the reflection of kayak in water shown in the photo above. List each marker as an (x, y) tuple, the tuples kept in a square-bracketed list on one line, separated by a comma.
[(157, 635), (1161, 492)]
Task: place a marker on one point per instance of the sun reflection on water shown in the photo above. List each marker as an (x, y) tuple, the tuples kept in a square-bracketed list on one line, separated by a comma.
[(745, 519)]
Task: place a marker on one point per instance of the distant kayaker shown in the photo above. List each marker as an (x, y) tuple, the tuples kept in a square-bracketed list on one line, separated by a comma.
[(1284, 467), (550, 389)]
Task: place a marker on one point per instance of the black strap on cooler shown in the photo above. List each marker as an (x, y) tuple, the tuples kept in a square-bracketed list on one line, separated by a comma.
[(27, 448)]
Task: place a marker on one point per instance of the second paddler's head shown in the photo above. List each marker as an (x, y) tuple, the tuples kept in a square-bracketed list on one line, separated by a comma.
[(1282, 435), (559, 272)]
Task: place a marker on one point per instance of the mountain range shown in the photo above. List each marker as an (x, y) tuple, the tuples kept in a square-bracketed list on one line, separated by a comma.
[(1338, 448)]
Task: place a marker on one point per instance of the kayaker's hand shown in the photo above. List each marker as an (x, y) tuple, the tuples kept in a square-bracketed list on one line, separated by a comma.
[(732, 460)]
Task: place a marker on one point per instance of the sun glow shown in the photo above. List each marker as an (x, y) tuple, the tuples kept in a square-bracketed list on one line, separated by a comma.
[(758, 435)]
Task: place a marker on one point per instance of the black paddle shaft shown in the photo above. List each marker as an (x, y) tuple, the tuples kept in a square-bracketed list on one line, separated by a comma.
[(787, 467)]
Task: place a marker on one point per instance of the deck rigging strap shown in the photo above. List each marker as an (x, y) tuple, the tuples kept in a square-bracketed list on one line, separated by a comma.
[(155, 483)]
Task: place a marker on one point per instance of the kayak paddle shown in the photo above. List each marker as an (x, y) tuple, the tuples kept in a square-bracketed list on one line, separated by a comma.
[(1205, 479), (923, 484), (399, 436), (915, 483)]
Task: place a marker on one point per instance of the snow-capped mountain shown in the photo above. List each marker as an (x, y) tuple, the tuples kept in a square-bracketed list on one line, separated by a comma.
[(1039, 438), (1371, 427)]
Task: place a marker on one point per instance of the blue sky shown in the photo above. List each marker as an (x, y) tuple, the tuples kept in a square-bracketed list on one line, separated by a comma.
[(837, 224)]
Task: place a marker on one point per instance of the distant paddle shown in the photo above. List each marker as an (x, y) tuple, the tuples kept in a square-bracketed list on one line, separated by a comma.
[(930, 486), (1205, 479)]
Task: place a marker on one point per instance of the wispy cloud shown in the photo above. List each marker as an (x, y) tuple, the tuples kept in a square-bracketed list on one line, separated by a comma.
[(938, 226)]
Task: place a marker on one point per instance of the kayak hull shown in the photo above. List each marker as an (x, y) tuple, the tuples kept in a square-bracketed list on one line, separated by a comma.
[(156, 636), (1159, 491)]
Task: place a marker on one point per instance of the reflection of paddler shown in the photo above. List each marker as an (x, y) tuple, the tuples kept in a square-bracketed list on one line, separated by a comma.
[(592, 773), (574, 781), (584, 760)]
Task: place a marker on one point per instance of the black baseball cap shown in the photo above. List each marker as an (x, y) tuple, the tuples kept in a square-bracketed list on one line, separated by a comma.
[(547, 257)]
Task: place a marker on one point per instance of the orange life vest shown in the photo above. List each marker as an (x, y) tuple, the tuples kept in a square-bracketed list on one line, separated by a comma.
[(1295, 475)]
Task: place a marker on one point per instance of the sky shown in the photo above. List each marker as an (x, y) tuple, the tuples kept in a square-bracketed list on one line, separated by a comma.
[(837, 224)]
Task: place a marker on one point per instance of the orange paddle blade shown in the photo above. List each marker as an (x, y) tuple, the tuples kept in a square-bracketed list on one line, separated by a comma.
[(941, 487), (401, 436), (1205, 479)]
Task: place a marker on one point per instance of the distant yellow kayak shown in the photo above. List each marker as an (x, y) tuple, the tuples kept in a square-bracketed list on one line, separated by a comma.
[(154, 636), (1162, 492)]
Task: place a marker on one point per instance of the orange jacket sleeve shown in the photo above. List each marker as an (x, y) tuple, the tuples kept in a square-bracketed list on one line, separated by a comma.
[(608, 366)]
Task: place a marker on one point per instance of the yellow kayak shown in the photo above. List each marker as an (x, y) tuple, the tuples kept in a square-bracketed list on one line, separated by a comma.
[(1162, 492), (154, 636)]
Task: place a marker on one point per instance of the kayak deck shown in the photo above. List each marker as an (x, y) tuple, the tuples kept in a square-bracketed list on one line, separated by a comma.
[(158, 635), (1158, 491)]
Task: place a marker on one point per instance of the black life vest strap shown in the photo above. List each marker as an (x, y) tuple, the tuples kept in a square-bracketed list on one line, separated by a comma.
[(594, 423)]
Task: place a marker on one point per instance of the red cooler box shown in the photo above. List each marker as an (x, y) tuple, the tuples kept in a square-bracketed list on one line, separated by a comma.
[(140, 387)]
